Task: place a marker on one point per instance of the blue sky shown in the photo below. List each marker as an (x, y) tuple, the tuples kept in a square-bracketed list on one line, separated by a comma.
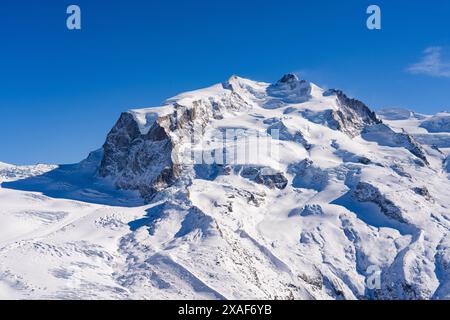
[(61, 91)]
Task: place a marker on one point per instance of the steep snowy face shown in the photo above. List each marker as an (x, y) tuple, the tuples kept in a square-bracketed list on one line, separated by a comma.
[(437, 123), (432, 132), (428, 129), (143, 151), (149, 149), (398, 114), (290, 89)]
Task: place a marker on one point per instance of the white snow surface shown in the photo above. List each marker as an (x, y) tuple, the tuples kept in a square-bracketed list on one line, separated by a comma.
[(349, 204), (432, 130)]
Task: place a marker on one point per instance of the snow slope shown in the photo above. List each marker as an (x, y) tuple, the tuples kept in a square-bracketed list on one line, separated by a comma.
[(429, 130), (344, 193)]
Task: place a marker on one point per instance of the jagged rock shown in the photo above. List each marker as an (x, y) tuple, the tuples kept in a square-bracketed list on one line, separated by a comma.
[(151, 161), (435, 147), (118, 142), (364, 160), (398, 169), (348, 156), (365, 192), (137, 161), (271, 121), (308, 176), (352, 116), (423, 191), (289, 89), (266, 176), (312, 210)]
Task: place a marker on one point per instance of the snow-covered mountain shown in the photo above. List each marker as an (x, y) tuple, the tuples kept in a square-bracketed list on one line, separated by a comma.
[(241, 190), (10, 172), (431, 130)]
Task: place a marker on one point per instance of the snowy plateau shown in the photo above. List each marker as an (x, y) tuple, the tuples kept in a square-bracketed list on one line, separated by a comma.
[(349, 191)]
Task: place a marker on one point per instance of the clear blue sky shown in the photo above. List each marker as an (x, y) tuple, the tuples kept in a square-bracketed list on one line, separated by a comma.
[(61, 91)]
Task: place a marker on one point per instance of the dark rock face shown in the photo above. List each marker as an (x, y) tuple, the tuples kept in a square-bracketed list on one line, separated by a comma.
[(365, 192), (412, 145), (149, 162), (423, 191), (265, 176), (307, 210), (288, 78), (312, 210), (398, 169), (275, 180), (364, 160), (116, 147), (138, 161), (353, 115), (308, 176), (354, 118), (290, 89)]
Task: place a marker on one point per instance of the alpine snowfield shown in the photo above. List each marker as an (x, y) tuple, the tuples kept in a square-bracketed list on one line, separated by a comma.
[(349, 196)]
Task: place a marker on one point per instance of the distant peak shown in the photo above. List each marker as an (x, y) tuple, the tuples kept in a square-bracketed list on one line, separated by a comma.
[(288, 78), (333, 92), (234, 79)]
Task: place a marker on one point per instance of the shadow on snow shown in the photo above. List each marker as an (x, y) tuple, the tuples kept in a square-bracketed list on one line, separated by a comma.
[(78, 182)]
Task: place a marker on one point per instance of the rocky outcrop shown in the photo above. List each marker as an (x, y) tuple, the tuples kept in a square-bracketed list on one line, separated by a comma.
[(352, 116), (365, 192), (308, 176), (423, 191), (289, 89), (265, 176), (311, 210), (151, 160), (138, 161), (398, 169)]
